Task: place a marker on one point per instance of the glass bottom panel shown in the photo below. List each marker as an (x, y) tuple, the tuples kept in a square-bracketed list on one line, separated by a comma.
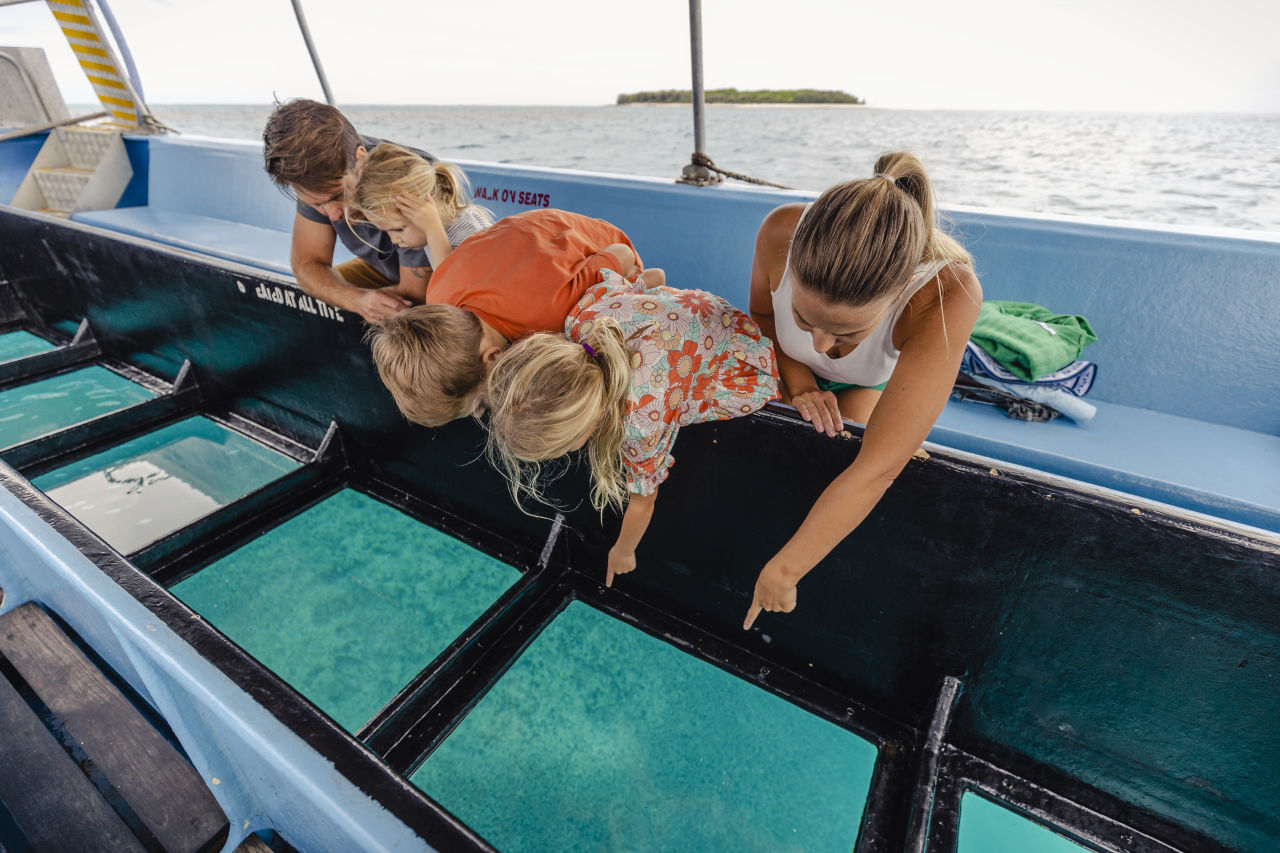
[(601, 737), (987, 827), (38, 408), (21, 344), (139, 491), (348, 601)]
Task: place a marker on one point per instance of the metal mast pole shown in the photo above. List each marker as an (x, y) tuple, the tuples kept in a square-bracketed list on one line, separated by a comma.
[(695, 173), (311, 48)]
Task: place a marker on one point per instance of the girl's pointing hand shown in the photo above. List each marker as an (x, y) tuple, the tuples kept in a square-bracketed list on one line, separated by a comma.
[(774, 592), (620, 562)]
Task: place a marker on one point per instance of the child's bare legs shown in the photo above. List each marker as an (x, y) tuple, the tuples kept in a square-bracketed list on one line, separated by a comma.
[(377, 298), (653, 278), (623, 256)]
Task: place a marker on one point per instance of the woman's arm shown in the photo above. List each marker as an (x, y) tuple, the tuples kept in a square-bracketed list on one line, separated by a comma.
[(936, 333), (635, 521), (799, 387)]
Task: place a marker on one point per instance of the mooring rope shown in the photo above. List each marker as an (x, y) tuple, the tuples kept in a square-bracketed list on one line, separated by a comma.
[(700, 159)]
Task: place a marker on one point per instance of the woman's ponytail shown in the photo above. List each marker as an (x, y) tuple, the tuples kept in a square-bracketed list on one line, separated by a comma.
[(451, 193), (861, 241), (909, 174)]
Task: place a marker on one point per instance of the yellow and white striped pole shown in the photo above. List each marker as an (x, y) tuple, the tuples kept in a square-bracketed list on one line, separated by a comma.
[(84, 33)]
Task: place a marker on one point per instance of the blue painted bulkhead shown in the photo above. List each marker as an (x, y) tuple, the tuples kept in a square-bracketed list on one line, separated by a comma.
[(1188, 322), (16, 157)]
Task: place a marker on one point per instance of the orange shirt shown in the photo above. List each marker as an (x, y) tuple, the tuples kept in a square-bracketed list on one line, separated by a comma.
[(525, 273)]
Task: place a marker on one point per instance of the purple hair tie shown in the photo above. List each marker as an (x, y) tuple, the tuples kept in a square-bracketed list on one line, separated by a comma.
[(589, 350)]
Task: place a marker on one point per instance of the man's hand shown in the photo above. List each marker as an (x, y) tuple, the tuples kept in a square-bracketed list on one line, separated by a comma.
[(774, 592), (620, 562), (377, 305), (820, 409)]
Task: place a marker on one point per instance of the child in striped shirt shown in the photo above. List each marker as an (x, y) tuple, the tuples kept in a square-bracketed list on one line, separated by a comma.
[(419, 204)]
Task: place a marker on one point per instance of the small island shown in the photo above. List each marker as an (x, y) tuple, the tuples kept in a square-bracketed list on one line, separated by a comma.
[(748, 96)]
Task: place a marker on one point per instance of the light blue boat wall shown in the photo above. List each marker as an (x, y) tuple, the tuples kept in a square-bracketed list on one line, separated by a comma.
[(1188, 321), (1184, 319), (219, 179), (210, 196), (263, 775)]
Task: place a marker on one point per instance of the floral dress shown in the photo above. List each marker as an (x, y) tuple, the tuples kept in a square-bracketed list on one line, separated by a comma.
[(694, 358)]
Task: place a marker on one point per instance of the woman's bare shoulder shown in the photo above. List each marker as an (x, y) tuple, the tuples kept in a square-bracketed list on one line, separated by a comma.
[(952, 297), (779, 225), (773, 242), (960, 282), (955, 281)]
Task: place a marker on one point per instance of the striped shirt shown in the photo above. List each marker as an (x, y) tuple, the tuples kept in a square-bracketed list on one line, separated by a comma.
[(470, 220)]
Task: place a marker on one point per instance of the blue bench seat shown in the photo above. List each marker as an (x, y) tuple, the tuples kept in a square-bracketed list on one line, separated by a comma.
[(208, 196), (253, 245), (1220, 470)]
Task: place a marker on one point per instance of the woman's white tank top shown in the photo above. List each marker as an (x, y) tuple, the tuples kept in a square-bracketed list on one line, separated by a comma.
[(871, 362)]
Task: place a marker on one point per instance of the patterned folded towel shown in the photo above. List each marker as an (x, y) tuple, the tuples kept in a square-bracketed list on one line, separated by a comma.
[(1053, 397), (1028, 340), (1076, 378)]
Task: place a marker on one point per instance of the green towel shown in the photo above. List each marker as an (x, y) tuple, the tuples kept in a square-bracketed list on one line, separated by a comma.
[(1029, 340)]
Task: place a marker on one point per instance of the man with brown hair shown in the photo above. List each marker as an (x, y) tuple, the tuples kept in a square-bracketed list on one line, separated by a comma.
[(310, 150)]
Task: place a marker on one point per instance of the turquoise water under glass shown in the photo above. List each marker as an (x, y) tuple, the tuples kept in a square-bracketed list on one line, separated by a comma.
[(986, 827), (348, 601), (601, 737), (21, 344), (141, 490), (37, 408)]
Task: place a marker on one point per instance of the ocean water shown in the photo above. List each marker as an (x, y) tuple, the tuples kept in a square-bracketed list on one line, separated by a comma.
[(21, 344), (37, 408), (986, 827), (601, 737), (1218, 171), (348, 601), (143, 489)]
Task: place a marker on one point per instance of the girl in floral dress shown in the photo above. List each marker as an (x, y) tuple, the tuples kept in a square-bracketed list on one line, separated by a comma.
[(637, 364)]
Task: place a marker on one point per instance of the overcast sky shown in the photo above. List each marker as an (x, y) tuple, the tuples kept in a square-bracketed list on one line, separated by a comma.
[(1158, 55)]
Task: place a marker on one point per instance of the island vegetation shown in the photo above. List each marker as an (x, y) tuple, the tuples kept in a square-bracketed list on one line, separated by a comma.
[(746, 96)]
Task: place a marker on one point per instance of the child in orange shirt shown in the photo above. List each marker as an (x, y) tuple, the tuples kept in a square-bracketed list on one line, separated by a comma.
[(522, 275)]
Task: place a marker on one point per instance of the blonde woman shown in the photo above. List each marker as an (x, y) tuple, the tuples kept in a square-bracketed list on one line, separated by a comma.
[(420, 205), (870, 306), (638, 364)]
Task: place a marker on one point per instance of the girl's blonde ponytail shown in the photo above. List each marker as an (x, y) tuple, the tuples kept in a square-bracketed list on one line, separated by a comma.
[(545, 392)]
